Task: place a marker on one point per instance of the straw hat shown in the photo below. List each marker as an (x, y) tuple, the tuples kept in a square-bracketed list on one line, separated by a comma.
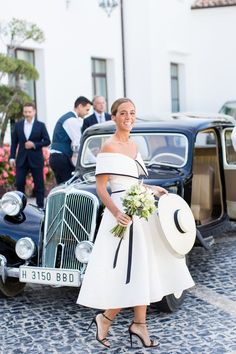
[(177, 224)]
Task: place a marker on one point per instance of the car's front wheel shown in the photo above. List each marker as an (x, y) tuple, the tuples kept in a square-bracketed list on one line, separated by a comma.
[(171, 303), (11, 287)]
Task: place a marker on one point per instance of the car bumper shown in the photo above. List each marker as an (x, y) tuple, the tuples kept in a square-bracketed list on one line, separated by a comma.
[(40, 275), (5, 271)]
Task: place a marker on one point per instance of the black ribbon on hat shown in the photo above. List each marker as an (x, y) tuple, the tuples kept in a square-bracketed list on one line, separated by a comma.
[(177, 222)]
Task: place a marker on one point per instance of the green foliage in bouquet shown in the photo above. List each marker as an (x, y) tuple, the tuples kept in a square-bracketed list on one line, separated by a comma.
[(138, 200)]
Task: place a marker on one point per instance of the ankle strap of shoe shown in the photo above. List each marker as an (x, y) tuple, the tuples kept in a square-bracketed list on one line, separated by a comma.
[(139, 323), (106, 317)]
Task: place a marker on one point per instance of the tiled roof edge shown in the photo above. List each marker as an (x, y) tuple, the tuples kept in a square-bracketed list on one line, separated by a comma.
[(210, 6)]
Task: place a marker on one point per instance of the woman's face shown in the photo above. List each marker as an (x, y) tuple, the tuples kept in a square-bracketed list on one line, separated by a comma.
[(125, 116)]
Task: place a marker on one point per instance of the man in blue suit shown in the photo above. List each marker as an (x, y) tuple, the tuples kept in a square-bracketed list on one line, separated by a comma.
[(27, 140), (99, 115)]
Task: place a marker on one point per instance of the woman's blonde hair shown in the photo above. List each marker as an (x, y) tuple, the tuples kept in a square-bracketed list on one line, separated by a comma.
[(117, 103)]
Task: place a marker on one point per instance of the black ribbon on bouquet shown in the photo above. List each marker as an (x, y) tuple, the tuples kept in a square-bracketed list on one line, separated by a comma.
[(130, 253), (130, 250)]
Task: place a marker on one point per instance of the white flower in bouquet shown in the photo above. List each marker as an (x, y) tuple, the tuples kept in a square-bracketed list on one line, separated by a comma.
[(139, 200)]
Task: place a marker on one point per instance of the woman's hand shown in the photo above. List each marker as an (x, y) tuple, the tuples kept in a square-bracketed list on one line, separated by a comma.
[(159, 191), (122, 218)]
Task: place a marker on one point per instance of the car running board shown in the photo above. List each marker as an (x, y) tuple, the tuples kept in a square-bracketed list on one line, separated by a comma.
[(206, 242)]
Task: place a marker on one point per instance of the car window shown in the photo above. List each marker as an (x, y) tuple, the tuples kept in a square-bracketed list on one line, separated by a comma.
[(206, 138), (229, 108), (167, 149), (229, 150), (91, 148)]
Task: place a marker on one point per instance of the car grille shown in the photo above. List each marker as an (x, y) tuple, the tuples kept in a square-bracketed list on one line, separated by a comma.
[(70, 218)]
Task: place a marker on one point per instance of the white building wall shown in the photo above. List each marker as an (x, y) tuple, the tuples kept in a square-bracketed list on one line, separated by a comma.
[(157, 34), (75, 31), (212, 74)]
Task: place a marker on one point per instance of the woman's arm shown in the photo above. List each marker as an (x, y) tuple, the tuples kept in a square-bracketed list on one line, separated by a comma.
[(157, 190), (101, 185)]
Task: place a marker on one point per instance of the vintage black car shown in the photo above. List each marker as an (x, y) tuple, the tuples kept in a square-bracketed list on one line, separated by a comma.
[(192, 157)]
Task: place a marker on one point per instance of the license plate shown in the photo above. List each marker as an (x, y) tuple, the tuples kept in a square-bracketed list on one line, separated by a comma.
[(49, 276)]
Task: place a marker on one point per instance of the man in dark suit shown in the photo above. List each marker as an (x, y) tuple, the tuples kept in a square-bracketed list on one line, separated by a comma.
[(99, 115), (27, 140)]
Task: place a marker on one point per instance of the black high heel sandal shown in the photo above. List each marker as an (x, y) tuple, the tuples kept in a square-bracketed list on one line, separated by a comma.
[(152, 344), (104, 340)]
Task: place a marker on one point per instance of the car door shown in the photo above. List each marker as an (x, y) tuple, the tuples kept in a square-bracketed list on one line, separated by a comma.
[(229, 161)]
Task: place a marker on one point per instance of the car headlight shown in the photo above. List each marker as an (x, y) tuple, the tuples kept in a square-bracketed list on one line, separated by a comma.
[(83, 251), (12, 203), (25, 248)]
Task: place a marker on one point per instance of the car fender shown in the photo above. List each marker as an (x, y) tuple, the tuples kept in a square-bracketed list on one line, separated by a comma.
[(27, 224)]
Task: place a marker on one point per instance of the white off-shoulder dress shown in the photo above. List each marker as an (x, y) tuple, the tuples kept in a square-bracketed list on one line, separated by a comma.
[(139, 273)]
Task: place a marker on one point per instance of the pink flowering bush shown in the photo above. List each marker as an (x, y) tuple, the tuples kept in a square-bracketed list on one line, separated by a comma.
[(7, 173), (48, 175)]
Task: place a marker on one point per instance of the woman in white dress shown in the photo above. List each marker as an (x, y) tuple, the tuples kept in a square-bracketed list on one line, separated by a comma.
[(135, 273)]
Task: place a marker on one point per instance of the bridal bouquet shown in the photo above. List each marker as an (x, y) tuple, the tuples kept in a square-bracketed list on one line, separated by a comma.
[(138, 200)]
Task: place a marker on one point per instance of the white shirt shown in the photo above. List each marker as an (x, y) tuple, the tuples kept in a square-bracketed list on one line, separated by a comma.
[(72, 127), (28, 128), (100, 117), (233, 138)]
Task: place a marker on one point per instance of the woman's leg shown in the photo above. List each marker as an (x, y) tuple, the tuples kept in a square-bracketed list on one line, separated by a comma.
[(104, 321), (140, 313), (139, 326)]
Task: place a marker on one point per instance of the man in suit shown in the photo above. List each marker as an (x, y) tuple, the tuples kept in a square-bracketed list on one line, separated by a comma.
[(27, 140), (66, 140), (99, 115)]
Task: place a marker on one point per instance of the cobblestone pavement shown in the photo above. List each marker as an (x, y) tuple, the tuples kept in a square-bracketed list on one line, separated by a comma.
[(46, 320)]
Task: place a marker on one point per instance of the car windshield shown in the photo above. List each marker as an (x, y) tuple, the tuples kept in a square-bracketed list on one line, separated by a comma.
[(156, 148), (229, 108)]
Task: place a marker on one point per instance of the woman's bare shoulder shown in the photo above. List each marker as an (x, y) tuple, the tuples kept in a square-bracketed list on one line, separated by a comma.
[(112, 146), (108, 146), (133, 142)]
